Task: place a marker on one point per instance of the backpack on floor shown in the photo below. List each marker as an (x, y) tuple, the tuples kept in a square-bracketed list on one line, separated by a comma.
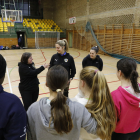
[(6, 48), (13, 47)]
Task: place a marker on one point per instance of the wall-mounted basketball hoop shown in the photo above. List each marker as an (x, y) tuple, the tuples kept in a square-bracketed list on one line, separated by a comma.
[(12, 21), (14, 16), (72, 20)]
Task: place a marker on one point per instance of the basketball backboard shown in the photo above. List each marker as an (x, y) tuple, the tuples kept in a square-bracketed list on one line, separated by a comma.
[(12, 16), (72, 20)]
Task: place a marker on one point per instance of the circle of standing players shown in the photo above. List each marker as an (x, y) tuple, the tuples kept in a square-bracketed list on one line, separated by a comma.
[(29, 82), (63, 58)]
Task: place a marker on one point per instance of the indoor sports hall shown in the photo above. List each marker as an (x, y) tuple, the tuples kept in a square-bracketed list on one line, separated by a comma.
[(36, 25)]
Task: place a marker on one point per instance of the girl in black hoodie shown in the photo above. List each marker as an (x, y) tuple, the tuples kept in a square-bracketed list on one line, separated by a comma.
[(93, 59)]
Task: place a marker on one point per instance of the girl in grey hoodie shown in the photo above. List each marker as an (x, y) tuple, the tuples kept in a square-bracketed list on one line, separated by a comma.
[(57, 117)]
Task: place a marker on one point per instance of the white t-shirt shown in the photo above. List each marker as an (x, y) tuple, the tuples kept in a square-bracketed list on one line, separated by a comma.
[(83, 134), (80, 98)]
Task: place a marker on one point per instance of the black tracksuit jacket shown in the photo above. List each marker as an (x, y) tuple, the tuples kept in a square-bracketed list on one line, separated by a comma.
[(28, 76), (97, 62), (66, 61)]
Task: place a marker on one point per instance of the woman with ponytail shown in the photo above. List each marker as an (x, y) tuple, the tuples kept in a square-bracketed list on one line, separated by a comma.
[(97, 99), (57, 117), (127, 101), (64, 59)]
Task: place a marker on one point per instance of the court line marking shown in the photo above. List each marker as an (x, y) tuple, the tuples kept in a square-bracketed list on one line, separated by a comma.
[(7, 72), (109, 73), (36, 63), (45, 60), (43, 83), (49, 92), (74, 78), (9, 80), (12, 69)]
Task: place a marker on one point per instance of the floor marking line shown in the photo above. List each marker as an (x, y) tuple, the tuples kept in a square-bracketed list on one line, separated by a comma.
[(9, 80), (41, 88)]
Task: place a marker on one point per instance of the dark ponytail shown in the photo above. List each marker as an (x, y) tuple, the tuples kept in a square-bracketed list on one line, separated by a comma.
[(128, 67), (133, 77), (57, 79), (60, 114)]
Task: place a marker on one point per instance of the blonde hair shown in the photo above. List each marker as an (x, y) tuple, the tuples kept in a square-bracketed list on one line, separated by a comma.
[(100, 103), (62, 43)]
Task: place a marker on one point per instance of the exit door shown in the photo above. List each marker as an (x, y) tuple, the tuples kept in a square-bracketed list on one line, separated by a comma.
[(70, 39)]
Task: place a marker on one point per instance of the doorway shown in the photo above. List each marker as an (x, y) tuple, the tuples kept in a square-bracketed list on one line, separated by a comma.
[(70, 35), (22, 40)]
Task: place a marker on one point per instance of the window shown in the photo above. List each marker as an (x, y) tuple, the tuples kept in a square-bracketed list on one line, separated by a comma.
[(29, 7)]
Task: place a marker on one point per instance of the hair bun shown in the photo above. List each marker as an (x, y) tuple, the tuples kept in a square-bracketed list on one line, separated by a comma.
[(95, 48)]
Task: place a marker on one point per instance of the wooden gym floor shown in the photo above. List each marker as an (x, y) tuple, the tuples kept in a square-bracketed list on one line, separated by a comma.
[(43, 56)]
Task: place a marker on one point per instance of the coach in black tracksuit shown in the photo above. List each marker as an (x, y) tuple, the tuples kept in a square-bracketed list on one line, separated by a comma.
[(29, 83), (64, 59), (93, 59)]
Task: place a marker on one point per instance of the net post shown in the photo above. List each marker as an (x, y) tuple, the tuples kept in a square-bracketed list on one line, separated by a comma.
[(35, 40)]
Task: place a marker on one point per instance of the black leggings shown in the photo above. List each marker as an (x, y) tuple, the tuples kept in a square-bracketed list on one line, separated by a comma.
[(29, 97), (128, 136)]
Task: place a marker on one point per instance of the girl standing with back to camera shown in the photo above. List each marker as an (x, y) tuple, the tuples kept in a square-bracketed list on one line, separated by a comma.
[(96, 97), (64, 59), (127, 101), (93, 59), (57, 117)]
